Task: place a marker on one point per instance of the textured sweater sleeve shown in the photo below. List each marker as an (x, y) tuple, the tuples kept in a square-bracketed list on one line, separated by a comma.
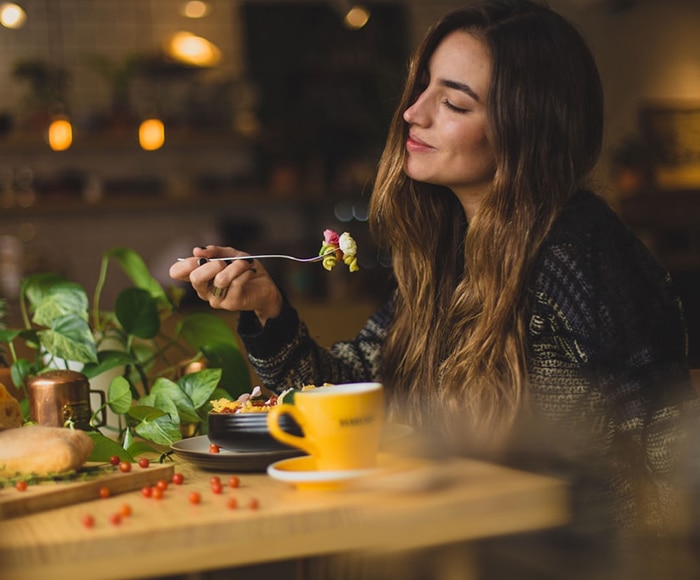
[(284, 355)]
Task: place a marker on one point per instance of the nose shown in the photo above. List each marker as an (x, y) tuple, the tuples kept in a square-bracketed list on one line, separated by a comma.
[(416, 114)]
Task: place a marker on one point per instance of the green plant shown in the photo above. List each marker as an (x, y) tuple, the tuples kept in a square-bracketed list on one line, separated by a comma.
[(145, 336)]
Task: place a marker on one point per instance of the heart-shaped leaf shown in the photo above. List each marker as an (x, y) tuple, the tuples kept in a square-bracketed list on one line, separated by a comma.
[(137, 312), (63, 299), (105, 448), (143, 412), (135, 268), (107, 360), (199, 386), (167, 392), (204, 328), (70, 338), (119, 395), (161, 430), (235, 375)]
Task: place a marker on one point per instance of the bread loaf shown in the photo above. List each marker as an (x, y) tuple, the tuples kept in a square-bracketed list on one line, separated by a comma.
[(40, 450), (10, 412)]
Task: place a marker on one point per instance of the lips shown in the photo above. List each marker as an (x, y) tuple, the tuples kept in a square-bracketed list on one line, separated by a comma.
[(416, 145)]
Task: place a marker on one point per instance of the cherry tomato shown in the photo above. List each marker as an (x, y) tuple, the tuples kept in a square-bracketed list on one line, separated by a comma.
[(21, 485), (162, 484), (147, 491), (125, 510), (157, 493), (104, 492), (234, 481), (115, 519), (215, 480), (144, 463), (232, 503), (253, 503), (88, 521), (195, 497), (115, 460), (214, 448), (217, 488), (125, 466), (178, 478)]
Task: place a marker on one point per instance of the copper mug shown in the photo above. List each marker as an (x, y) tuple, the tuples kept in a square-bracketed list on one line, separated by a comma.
[(61, 396)]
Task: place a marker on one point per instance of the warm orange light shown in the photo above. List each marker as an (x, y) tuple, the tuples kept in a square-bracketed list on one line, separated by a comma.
[(195, 9), (356, 17), (193, 50), (60, 134), (151, 134)]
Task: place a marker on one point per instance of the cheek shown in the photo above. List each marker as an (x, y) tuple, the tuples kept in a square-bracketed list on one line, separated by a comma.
[(474, 144)]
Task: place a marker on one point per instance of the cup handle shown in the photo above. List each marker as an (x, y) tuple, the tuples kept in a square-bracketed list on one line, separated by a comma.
[(103, 409), (278, 433)]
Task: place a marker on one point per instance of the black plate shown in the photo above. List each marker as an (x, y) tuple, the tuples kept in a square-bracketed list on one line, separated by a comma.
[(248, 432), (196, 451)]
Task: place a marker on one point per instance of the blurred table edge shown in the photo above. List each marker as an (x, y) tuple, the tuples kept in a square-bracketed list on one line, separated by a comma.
[(172, 536)]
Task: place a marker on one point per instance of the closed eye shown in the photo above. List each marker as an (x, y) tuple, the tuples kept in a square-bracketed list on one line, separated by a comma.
[(454, 108)]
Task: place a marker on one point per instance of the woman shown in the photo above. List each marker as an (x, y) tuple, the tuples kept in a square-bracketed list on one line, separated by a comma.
[(524, 310)]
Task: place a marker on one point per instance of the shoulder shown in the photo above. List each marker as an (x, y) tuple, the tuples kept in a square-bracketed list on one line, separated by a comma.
[(588, 219), (590, 242), (596, 279)]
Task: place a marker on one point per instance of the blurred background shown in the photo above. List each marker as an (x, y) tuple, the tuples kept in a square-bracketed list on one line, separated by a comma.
[(160, 125)]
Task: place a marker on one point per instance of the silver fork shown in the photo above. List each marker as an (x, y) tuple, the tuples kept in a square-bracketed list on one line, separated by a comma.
[(263, 256)]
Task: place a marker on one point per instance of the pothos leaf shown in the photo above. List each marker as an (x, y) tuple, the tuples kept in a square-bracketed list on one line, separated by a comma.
[(105, 448), (65, 298), (137, 312), (107, 360), (161, 430), (204, 328), (135, 268), (166, 390), (119, 395), (199, 386), (160, 400), (143, 412), (36, 286), (69, 338), (235, 375)]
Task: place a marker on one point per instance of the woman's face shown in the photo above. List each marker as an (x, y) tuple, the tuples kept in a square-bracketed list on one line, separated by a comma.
[(447, 143)]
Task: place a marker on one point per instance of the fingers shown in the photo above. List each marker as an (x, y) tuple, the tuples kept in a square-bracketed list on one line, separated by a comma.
[(217, 292), (213, 282)]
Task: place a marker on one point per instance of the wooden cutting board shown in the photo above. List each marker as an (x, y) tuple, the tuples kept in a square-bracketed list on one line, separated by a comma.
[(50, 495)]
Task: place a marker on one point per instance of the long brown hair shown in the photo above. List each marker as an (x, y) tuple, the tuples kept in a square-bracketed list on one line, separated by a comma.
[(458, 342)]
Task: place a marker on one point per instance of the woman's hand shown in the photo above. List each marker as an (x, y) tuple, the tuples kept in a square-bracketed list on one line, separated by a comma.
[(235, 286)]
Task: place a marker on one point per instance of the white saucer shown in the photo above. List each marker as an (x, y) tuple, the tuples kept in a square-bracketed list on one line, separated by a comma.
[(302, 473)]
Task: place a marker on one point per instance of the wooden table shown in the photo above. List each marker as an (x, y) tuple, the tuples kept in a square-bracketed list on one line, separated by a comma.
[(172, 536)]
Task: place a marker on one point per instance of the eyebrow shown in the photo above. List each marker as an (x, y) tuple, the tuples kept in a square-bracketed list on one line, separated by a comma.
[(460, 87)]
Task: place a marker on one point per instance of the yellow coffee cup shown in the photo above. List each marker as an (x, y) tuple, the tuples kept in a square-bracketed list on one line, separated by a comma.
[(342, 424)]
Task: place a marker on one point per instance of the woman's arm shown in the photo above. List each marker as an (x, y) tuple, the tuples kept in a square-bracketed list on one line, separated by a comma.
[(284, 355)]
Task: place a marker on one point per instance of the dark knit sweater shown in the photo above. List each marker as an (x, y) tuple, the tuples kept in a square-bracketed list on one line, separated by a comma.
[(607, 364)]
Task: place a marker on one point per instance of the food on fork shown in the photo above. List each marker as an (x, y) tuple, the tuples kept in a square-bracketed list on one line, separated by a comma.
[(345, 249), (41, 450)]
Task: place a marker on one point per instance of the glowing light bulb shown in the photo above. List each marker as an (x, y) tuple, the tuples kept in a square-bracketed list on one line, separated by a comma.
[(195, 9), (60, 134), (12, 15), (151, 134), (193, 50), (356, 17)]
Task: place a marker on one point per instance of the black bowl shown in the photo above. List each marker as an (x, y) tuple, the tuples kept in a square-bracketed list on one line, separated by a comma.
[(246, 432)]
